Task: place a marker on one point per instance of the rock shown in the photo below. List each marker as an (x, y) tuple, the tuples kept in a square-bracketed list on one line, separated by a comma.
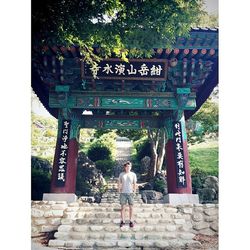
[(145, 163), (212, 182), (207, 195), (90, 177), (197, 217)]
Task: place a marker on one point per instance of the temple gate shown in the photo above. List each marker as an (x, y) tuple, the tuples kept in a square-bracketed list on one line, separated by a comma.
[(143, 93)]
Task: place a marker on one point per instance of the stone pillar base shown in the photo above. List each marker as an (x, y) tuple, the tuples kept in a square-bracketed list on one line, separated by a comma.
[(178, 199), (69, 197)]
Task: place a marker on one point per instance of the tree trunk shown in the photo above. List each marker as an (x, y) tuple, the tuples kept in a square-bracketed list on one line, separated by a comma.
[(154, 139), (153, 161), (161, 151)]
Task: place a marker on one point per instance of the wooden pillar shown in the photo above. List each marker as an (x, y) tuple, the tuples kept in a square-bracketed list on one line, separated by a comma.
[(65, 159), (174, 157)]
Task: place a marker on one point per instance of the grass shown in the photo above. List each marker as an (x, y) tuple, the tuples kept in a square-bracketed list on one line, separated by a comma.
[(205, 156)]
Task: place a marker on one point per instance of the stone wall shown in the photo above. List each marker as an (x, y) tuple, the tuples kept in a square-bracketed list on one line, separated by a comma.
[(50, 216)]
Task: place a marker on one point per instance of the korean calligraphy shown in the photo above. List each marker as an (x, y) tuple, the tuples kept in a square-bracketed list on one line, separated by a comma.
[(63, 153), (179, 156), (135, 69)]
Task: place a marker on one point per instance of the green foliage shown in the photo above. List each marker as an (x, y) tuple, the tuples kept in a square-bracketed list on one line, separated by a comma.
[(99, 152), (99, 132), (132, 134), (159, 185), (40, 183), (207, 118), (205, 156), (107, 144), (82, 187), (198, 176), (203, 159), (43, 136), (207, 20), (134, 26), (143, 148), (106, 166), (50, 133), (41, 163)]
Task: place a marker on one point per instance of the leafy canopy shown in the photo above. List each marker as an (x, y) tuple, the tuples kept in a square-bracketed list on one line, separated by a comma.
[(124, 28)]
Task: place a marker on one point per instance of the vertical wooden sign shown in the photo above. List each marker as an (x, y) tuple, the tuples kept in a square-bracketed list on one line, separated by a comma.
[(181, 179), (63, 153)]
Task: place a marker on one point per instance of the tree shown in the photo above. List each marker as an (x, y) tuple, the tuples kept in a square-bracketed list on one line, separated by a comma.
[(207, 20), (132, 134), (157, 141), (157, 144), (130, 28), (208, 116)]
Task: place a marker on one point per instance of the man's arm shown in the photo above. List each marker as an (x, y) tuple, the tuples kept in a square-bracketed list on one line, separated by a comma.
[(134, 187), (135, 184), (119, 185)]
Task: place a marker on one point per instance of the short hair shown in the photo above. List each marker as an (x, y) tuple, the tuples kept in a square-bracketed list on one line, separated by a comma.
[(127, 163)]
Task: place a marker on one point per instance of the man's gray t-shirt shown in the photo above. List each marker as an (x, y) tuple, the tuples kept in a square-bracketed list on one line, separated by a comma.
[(127, 180)]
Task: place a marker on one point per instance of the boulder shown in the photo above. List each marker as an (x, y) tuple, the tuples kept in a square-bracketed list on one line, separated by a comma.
[(150, 195), (211, 182), (145, 163)]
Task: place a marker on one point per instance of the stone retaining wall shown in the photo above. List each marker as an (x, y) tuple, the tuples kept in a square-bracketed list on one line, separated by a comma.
[(47, 216)]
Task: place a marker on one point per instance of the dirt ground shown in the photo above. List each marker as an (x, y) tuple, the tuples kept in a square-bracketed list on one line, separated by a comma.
[(208, 242)]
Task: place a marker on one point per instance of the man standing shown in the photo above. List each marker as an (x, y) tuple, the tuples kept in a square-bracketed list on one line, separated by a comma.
[(127, 189)]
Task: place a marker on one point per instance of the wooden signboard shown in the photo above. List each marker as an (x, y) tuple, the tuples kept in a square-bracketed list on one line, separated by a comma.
[(135, 69)]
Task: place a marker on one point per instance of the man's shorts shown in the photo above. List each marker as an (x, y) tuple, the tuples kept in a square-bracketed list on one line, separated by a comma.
[(126, 198)]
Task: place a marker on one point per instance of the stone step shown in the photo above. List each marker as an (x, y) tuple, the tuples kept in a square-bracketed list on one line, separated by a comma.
[(180, 223), (125, 244), (136, 210), (142, 215), (93, 235), (102, 229)]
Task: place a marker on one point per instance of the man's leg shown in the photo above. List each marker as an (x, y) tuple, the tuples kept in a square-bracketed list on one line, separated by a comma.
[(131, 203), (123, 206), (123, 213), (130, 212)]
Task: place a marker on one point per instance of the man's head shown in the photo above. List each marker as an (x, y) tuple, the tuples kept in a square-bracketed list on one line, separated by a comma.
[(127, 166)]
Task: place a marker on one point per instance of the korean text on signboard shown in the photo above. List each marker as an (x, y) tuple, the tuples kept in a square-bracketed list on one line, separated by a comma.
[(63, 153), (179, 155), (135, 69)]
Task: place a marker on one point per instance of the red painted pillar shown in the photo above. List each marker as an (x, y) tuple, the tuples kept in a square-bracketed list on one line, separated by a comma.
[(171, 163), (71, 163)]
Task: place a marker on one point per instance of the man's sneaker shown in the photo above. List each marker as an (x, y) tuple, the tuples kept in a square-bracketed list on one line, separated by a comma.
[(131, 224), (122, 224)]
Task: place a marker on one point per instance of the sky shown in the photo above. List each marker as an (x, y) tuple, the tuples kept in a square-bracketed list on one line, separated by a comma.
[(37, 107), (211, 6)]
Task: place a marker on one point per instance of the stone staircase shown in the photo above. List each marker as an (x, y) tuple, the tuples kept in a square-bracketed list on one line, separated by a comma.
[(96, 226), (112, 195)]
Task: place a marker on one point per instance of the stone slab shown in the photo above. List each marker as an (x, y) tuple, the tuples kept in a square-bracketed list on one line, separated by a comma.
[(68, 197), (179, 199)]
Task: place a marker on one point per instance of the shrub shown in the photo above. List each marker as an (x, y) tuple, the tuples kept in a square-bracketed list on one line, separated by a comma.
[(198, 176), (99, 152), (159, 185), (143, 149), (40, 183), (106, 166), (41, 163), (40, 177)]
